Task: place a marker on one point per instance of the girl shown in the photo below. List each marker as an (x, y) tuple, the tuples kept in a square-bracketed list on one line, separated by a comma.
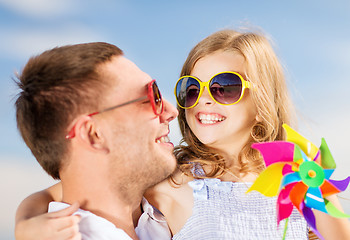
[(245, 100), (231, 93)]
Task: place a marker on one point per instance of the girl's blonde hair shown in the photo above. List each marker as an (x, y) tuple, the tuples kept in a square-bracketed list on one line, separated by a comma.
[(270, 96)]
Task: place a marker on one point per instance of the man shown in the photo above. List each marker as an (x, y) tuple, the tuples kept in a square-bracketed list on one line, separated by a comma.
[(95, 121)]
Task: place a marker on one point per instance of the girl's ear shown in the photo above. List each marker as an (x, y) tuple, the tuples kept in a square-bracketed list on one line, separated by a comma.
[(258, 118)]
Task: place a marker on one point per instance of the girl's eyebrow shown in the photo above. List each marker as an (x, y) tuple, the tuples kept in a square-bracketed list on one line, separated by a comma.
[(243, 75)]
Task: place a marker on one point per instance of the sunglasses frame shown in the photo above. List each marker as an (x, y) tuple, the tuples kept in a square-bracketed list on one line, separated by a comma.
[(245, 85), (150, 95)]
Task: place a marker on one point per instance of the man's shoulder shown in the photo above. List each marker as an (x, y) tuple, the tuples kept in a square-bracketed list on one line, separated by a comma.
[(92, 226)]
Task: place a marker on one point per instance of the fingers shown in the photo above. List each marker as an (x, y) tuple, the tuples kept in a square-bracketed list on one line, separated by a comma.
[(65, 222), (65, 212), (71, 233), (76, 237), (45, 227), (60, 225)]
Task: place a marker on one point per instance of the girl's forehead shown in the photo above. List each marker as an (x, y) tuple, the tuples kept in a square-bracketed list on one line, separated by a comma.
[(212, 64)]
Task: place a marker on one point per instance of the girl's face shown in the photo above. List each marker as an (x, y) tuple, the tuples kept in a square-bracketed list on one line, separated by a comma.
[(223, 127)]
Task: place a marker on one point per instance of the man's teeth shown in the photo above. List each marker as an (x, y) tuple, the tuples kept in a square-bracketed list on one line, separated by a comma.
[(164, 139), (210, 118)]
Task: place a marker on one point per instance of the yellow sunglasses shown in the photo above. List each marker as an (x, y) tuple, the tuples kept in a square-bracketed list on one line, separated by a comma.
[(225, 88)]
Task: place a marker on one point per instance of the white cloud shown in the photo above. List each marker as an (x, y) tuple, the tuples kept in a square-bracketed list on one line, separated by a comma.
[(23, 43), (39, 8)]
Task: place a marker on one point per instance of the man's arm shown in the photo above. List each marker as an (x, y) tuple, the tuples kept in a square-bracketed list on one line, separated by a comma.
[(33, 221)]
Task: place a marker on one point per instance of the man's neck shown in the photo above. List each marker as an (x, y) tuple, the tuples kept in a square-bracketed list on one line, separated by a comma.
[(101, 201), (123, 215)]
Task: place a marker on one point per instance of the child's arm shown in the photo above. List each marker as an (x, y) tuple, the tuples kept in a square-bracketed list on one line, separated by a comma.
[(33, 221), (331, 227)]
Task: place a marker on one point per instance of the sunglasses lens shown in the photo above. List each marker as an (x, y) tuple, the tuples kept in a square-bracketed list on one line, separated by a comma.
[(187, 91), (158, 103), (226, 88)]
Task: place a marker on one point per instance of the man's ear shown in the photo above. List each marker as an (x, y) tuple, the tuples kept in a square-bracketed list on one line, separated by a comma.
[(90, 134)]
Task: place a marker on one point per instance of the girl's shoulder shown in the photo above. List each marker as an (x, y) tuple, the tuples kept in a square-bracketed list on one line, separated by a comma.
[(174, 199), (170, 187)]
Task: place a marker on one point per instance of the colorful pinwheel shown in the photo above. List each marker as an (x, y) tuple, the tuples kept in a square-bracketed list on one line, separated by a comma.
[(299, 173)]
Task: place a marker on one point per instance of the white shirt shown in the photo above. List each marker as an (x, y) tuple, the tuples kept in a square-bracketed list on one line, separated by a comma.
[(151, 225)]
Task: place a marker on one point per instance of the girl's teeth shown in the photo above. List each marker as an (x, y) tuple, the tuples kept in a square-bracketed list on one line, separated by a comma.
[(210, 118)]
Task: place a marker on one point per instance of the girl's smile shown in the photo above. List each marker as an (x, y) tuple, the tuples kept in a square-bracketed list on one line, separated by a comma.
[(209, 118)]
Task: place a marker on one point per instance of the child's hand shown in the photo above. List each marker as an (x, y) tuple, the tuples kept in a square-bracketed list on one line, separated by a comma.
[(60, 225)]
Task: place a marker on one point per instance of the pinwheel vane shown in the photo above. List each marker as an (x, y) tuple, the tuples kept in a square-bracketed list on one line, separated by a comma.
[(298, 172)]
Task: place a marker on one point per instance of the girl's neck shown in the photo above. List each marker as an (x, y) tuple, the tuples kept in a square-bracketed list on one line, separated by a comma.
[(232, 169), (235, 176)]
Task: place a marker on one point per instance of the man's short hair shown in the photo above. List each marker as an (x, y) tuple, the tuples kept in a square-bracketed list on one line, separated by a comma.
[(56, 86)]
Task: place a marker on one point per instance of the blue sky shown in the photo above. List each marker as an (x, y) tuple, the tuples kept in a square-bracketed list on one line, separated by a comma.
[(312, 39)]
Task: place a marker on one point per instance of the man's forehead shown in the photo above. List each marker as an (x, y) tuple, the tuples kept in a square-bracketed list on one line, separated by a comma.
[(126, 72), (124, 78)]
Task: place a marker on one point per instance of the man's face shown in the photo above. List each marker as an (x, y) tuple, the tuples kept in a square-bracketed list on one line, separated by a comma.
[(137, 139)]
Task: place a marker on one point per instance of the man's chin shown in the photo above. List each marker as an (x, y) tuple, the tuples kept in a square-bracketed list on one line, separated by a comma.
[(163, 174)]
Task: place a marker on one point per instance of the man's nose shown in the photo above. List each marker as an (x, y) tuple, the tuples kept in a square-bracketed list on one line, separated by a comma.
[(170, 112)]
